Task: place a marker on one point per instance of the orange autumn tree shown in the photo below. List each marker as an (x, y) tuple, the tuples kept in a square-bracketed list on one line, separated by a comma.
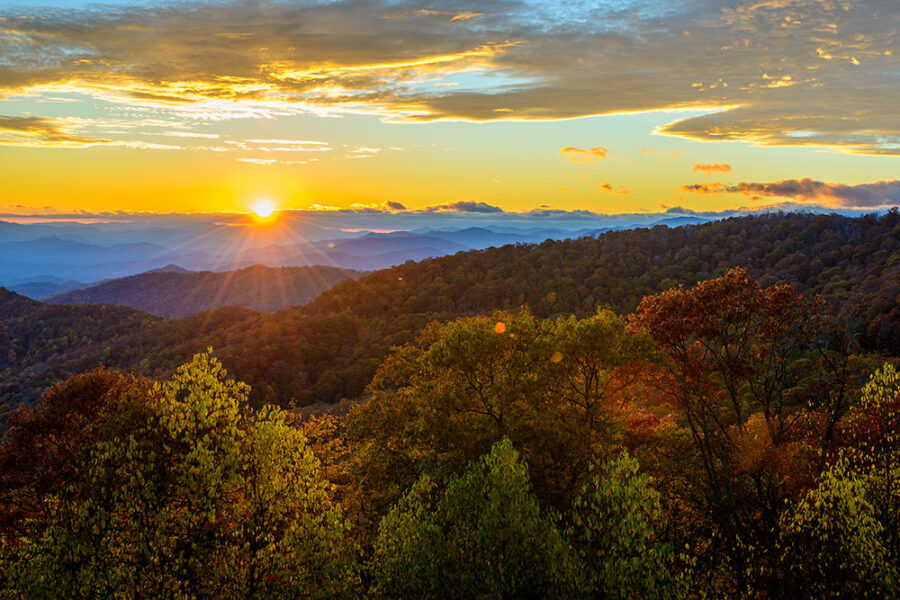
[(752, 376)]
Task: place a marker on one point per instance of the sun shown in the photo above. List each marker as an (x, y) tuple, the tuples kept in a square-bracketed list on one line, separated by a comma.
[(263, 208)]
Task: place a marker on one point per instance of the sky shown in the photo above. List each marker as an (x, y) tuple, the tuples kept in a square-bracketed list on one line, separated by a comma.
[(488, 107)]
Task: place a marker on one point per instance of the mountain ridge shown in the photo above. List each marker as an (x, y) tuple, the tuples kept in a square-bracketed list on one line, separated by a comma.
[(329, 349), (180, 293)]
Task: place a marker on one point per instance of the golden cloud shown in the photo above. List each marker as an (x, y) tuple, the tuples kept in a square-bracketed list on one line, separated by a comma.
[(583, 155), (606, 186), (865, 195), (711, 168), (40, 131), (803, 72)]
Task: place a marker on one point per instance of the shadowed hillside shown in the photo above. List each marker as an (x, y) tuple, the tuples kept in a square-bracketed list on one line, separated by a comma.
[(169, 293)]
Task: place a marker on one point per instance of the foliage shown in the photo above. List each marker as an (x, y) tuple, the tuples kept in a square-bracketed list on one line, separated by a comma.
[(483, 536), (194, 497), (616, 519), (45, 344), (765, 471), (748, 370), (871, 443), (552, 387), (834, 542), (45, 448), (841, 540)]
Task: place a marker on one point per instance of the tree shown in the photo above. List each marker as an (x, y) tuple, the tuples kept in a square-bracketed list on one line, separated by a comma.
[(552, 387), (193, 496), (841, 539), (870, 437), (482, 536), (834, 543), (616, 520), (45, 449), (748, 374)]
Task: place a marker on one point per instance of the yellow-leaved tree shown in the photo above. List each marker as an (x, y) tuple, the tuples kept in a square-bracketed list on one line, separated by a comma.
[(842, 540), (192, 496)]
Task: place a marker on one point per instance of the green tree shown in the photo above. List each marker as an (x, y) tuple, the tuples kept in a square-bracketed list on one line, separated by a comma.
[(871, 437), (482, 536), (550, 386), (197, 497), (616, 520), (834, 543), (841, 539)]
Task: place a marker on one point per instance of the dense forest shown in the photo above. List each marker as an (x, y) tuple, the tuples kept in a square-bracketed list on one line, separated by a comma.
[(181, 294), (331, 348), (727, 439)]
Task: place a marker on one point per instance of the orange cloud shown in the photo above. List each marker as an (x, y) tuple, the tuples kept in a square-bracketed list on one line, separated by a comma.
[(711, 168), (607, 187), (863, 195), (451, 16), (465, 15), (705, 188), (583, 155), (650, 151)]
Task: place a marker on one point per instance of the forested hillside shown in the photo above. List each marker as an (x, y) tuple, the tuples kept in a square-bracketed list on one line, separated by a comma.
[(174, 294), (42, 344), (330, 349), (725, 440)]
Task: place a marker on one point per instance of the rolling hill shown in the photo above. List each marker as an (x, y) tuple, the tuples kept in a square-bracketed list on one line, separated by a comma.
[(330, 348), (173, 292)]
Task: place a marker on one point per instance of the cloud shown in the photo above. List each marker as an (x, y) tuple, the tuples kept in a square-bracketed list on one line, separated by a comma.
[(383, 207), (271, 161), (363, 152), (711, 168), (795, 73), (43, 132), (278, 145), (583, 155), (190, 134), (705, 188), (606, 186), (465, 15), (278, 142), (447, 15), (325, 220), (665, 155), (864, 195), (463, 206), (40, 131)]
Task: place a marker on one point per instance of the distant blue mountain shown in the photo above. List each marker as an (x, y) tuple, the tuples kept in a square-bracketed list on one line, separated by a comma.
[(60, 251), (38, 290), (680, 221)]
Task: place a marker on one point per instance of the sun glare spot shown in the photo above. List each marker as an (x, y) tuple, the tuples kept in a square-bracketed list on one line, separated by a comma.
[(263, 209)]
